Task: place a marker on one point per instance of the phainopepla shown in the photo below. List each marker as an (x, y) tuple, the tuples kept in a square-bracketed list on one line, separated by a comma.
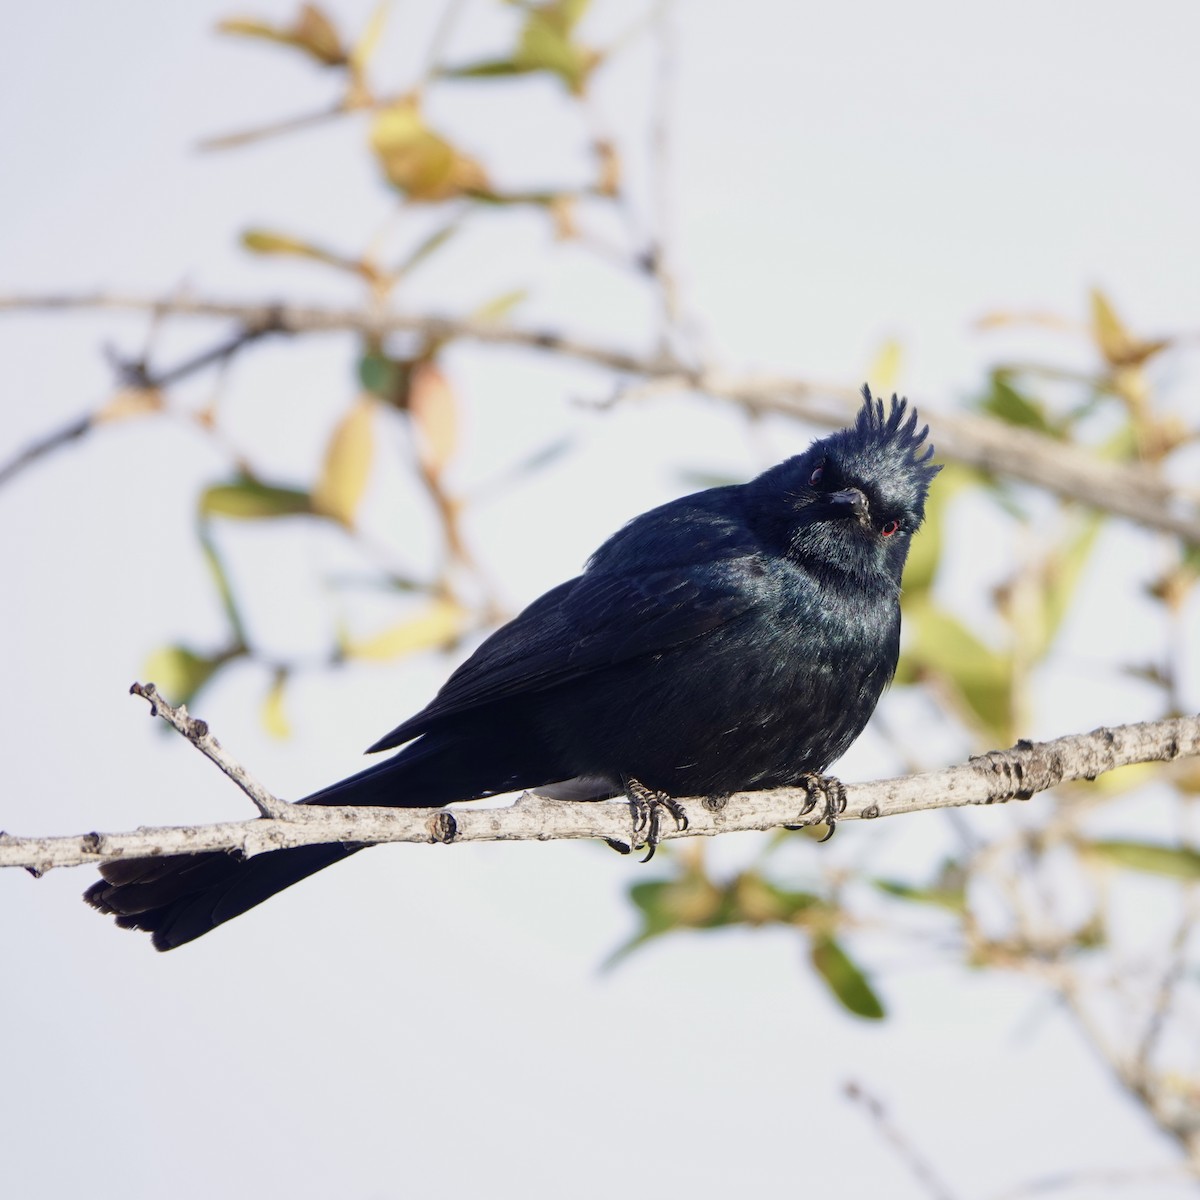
[(735, 639)]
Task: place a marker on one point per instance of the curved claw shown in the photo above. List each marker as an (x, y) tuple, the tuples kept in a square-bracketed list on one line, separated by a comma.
[(645, 806), (829, 789)]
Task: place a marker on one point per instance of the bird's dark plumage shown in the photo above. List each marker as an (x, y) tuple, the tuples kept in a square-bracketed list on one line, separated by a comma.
[(735, 639)]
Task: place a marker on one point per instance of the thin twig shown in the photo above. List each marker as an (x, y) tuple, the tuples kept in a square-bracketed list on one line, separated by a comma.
[(243, 137), (440, 40), (1143, 1061), (661, 160), (916, 1162), (70, 432), (1178, 1121), (197, 732), (136, 374), (1100, 1177)]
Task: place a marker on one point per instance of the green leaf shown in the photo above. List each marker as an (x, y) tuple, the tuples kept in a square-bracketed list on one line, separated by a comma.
[(1004, 402), (953, 899), (1176, 862), (690, 902), (246, 500), (179, 672), (845, 979), (428, 246), (980, 675), (491, 68), (1061, 579), (545, 44), (386, 377), (926, 550), (220, 577), (757, 901)]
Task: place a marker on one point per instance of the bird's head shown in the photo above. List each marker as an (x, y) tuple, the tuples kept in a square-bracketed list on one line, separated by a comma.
[(854, 499)]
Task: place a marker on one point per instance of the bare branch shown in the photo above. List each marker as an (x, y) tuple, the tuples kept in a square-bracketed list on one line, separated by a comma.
[(1172, 1112), (991, 778), (70, 432), (1134, 492), (197, 733), (300, 318), (913, 1159), (1143, 1062), (1116, 1177), (243, 137), (1127, 491)]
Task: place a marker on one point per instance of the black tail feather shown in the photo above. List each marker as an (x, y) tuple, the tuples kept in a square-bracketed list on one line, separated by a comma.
[(178, 898), (181, 897)]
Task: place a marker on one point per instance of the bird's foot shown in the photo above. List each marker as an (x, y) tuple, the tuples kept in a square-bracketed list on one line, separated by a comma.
[(646, 807), (828, 790)]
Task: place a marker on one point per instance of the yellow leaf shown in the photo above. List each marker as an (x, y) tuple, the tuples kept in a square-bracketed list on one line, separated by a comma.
[(369, 40), (179, 672), (1111, 336), (267, 241), (608, 162), (347, 464), (315, 32), (1185, 775), (312, 31), (546, 46), (885, 369), (432, 405), (130, 402), (1125, 779), (1046, 320), (274, 715), (562, 212), (437, 625), (419, 161), (500, 307)]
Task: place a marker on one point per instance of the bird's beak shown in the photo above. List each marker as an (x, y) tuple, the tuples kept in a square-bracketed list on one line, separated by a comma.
[(850, 502)]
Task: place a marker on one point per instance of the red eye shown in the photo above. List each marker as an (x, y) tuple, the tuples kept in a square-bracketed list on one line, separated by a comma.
[(815, 477), (889, 527)]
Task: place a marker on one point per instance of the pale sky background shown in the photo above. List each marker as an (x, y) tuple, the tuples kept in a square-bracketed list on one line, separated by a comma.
[(429, 1023)]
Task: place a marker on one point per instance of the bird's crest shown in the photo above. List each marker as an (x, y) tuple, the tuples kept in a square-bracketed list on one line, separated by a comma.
[(891, 431)]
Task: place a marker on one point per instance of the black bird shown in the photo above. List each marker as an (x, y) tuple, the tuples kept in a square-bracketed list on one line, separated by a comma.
[(735, 639)]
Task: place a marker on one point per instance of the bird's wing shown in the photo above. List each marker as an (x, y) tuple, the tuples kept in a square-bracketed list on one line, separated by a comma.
[(588, 624)]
